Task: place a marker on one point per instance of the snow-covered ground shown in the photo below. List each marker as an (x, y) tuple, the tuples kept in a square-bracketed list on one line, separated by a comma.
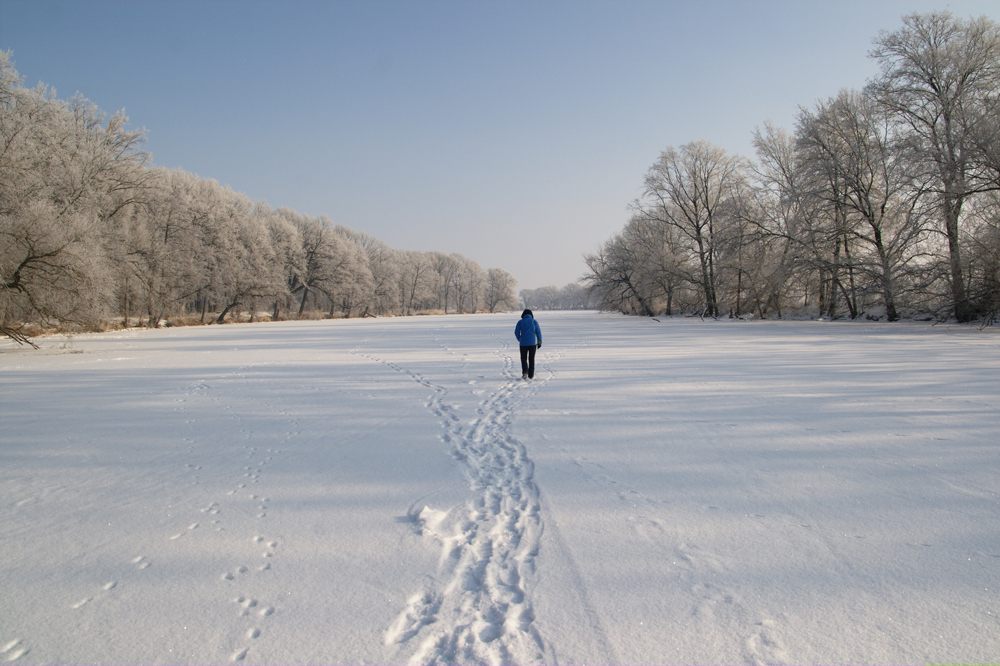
[(390, 491)]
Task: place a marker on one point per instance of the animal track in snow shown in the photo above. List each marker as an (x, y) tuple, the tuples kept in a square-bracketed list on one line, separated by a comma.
[(231, 575), (13, 650), (649, 529), (246, 605), (191, 527), (720, 605), (250, 607), (764, 645), (246, 480), (271, 545)]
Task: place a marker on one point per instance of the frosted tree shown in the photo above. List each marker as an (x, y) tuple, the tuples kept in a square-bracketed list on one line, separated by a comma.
[(379, 295), (542, 298), (469, 281), (848, 153), (775, 204), (289, 256), (499, 291), (667, 267), (416, 281), (572, 296), (692, 190), (247, 268), (161, 263), (617, 277), (383, 265), (939, 78), (67, 172), (446, 267), (327, 262), (355, 295), (88, 230)]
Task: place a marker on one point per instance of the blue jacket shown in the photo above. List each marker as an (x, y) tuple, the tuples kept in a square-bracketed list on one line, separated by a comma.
[(527, 332)]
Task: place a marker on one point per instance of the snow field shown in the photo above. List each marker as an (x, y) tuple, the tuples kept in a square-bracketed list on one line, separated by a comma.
[(390, 491)]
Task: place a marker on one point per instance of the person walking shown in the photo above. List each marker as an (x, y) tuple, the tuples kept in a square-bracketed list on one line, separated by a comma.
[(529, 336)]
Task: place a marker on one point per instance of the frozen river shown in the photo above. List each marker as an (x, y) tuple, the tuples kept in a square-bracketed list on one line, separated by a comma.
[(390, 491)]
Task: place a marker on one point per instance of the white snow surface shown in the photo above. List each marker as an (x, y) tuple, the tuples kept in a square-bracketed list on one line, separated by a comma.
[(391, 491)]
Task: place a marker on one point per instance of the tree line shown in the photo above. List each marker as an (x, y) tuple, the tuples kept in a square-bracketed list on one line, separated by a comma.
[(572, 296), (91, 233), (883, 202)]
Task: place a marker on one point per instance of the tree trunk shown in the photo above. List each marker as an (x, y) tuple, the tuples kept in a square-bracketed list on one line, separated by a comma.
[(952, 208), (225, 311), (852, 299), (739, 289), (302, 304)]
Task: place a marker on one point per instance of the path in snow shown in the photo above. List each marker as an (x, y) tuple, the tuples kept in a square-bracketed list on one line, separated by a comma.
[(478, 609)]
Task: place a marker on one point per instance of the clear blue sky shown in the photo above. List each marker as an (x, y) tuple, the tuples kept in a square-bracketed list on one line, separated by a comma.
[(513, 132)]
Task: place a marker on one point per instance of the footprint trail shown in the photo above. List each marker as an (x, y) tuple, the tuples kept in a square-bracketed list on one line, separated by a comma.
[(478, 609)]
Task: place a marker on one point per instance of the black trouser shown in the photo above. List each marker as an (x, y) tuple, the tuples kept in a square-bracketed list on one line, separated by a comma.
[(528, 360)]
